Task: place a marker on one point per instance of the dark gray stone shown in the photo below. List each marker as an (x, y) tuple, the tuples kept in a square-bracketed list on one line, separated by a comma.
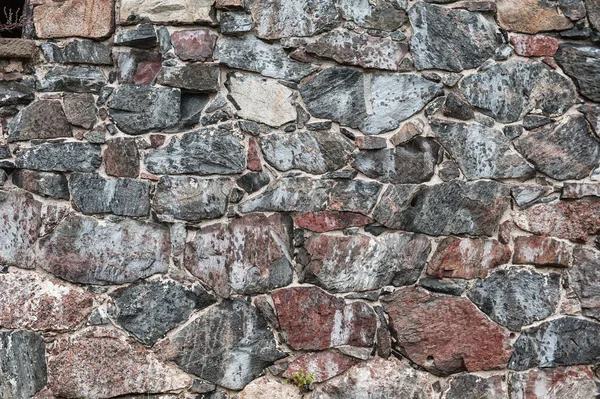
[(556, 343), (200, 78), (582, 63), (531, 122), (60, 156), (144, 36), (191, 109), (585, 280), (512, 131), (22, 364), (448, 170), (444, 285), (80, 109), (164, 40), (41, 119), (455, 107), (251, 182), (77, 79), (233, 22), (46, 184), (592, 114), (78, 51), (469, 386), (15, 92), (377, 14), (137, 66)]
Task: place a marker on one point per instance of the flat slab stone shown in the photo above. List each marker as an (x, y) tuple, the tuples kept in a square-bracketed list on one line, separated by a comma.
[(22, 364), (178, 11), (78, 51), (43, 119), (94, 19), (531, 16), (12, 93), (78, 79), (582, 63), (60, 156), (200, 78), (585, 280), (324, 221)]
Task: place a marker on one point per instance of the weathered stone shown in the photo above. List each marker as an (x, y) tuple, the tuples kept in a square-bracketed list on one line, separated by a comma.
[(370, 142), (445, 334), (335, 323), (138, 66), (247, 256), (99, 363), (15, 93), (78, 51), (467, 258), (455, 207), (17, 48), (137, 109), (190, 198), (582, 63), (88, 18), (585, 280), (20, 214), (321, 222), (22, 364), (407, 132), (541, 251), (191, 109), (234, 22), (531, 16), (455, 107), (84, 250), (144, 36), (194, 45), (534, 46), (253, 181), (413, 162), (280, 18), (507, 91), (80, 109), (324, 365), (361, 262), (42, 119), (201, 77), (377, 14), (35, 303), (571, 382), (121, 157), (79, 79), (60, 156), (232, 362), (469, 386), (592, 115), (528, 195), (560, 342), (46, 184), (445, 286), (516, 298), (448, 170), (178, 11), (531, 122), (451, 40), (265, 387)]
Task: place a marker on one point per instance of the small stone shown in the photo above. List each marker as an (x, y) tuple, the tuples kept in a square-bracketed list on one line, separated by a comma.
[(344, 174), (370, 142), (199, 386), (434, 106), (263, 304), (23, 365), (47, 184), (464, 386), (252, 182), (526, 196), (443, 285), (60, 156), (503, 53), (165, 11), (138, 66), (78, 51), (323, 125), (531, 122), (194, 45), (541, 251), (42, 119), (561, 382), (144, 36), (534, 46), (406, 133), (449, 170), (377, 14), (323, 365), (455, 107), (585, 280), (191, 109), (15, 93), (121, 157), (253, 162), (201, 78), (88, 18), (235, 22), (512, 131), (451, 79), (79, 79), (324, 221), (80, 109), (531, 16), (582, 63)]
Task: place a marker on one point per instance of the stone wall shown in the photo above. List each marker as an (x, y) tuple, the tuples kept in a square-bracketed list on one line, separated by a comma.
[(399, 198)]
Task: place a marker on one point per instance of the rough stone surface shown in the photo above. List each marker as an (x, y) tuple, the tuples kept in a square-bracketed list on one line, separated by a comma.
[(46, 184), (585, 280), (325, 365), (60, 156), (376, 14), (15, 93), (80, 109), (194, 45), (264, 387), (563, 382), (39, 120), (22, 364), (179, 11), (443, 285), (469, 386), (78, 51), (121, 157), (201, 78), (580, 190), (541, 251), (78, 79), (88, 18), (534, 46), (144, 36), (531, 16), (138, 66), (321, 222), (582, 63)]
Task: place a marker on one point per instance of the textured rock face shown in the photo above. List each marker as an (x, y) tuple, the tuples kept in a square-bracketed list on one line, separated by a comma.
[(531, 16), (180, 11), (325, 365), (79, 109), (138, 66), (87, 18), (47, 184), (472, 386), (194, 45), (76, 79), (585, 279), (22, 364), (541, 251), (60, 156), (20, 215), (377, 14), (121, 157), (39, 120), (567, 382), (15, 93), (321, 222), (582, 63), (201, 78), (264, 388), (78, 51)]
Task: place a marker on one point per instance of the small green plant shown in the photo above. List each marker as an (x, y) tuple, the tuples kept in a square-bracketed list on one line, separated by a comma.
[(303, 380)]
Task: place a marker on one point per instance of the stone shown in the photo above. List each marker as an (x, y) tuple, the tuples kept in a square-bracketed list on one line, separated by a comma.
[(46, 184), (592, 115), (455, 207), (247, 256), (315, 152), (324, 221), (77, 51), (531, 122), (534, 46), (362, 262), (210, 150), (121, 157), (12, 93), (561, 382), (450, 40), (370, 142), (191, 109), (584, 277), (163, 11), (560, 342), (22, 364), (17, 48), (509, 90), (194, 44), (325, 365), (233, 362), (443, 285), (21, 216), (80, 109), (413, 162), (335, 323), (278, 19), (264, 388), (89, 18), (60, 156), (99, 363), (406, 133), (445, 334), (481, 152), (448, 170), (377, 14), (202, 78), (137, 109), (515, 298), (455, 107), (563, 150), (190, 198), (467, 258), (273, 106), (526, 196), (253, 181), (541, 251), (83, 250), (593, 10), (582, 63), (78, 79), (138, 66), (531, 16), (144, 36), (235, 22), (469, 386), (42, 119)]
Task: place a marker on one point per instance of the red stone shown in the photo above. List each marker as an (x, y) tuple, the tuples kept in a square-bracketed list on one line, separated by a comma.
[(324, 365), (313, 319), (156, 140), (149, 176), (94, 19), (330, 220), (370, 142), (445, 334), (534, 46), (467, 258), (541, 251), (229, 4), (121, 157), (504, 231), (253, 162), (194, 45), (561, 382)]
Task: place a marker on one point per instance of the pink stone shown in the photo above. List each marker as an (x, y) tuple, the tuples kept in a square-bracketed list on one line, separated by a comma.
[(93, 19), (253, 162), (149, 176), (330, 220), (534, 46), (194, 45), (324, 365), (561, 382), (541, 251)]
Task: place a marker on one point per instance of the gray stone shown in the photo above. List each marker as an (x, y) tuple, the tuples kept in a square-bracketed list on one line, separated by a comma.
[(233, 22), (46, 184), (80, 109), (233, 362), (593, 9), (449, 39), (252, 54), (531, 122), (82, 249), (210, 150), (512, 131), (191, 109), (15, 92), (190, 198), (563, 150), (560, 342), (137, 109), (582, 63), (585, 280), (41, 119), (60, 156), (444, 285), (77, 51), (376, 14), (149, 309), (144, 36), (448, 208), (509, 90), (137, 66), (580, 190), (560, 382), (164, 41), (528, 195), (77, 79), (22, 364), (592, 115), (516, 298), (93, 194), (469, 386), (253, 181), (448, 170), (481, 152), (201, 78)]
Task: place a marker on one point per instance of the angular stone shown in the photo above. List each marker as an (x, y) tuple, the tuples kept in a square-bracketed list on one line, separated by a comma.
[(481, 152), (41, 119), (177, 11), (541, 251), (592, 115), (84, 250), (253, 181), (585, 280), (21, 216), (455, 107), (234, 22), (138, 66), (560, 342), (509, 90), (98, 363), (370, 142), (232, 362), (80, 109), (376, 14), (528, 195), (22, 364), (17, 48), (79, 79), (137, 109), (516, 298), (78, 51), (444, 286), (467, 258), (445, 334), (88, 18), (362, 262), (321, 222), (324, 365), (563, 150), (407, 132), (534, 46), (194, 45), (561, 382), (201, 78), (455, 207), (264, 388), (335, 323), (451, 40), (191, 109), (209, 150), (190, 198), (46, 184), (144, 36), (60, 156), (247, 256), (12, 93), (531, 16), (531, 122), (582, 63), (121, 157), (463, 386)]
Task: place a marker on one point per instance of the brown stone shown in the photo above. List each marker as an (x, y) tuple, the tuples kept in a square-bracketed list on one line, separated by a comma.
[(530, 16), (324, 365), (330, 220), (561, 382), (253, 162), (17, 48), (44, 119), (82, 18), (467, 258), (406, 133), (80, 109), (534, 46), (541, 251), (121, 157), (585, 280), (194, 45), (445, 334), (313, 319)]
